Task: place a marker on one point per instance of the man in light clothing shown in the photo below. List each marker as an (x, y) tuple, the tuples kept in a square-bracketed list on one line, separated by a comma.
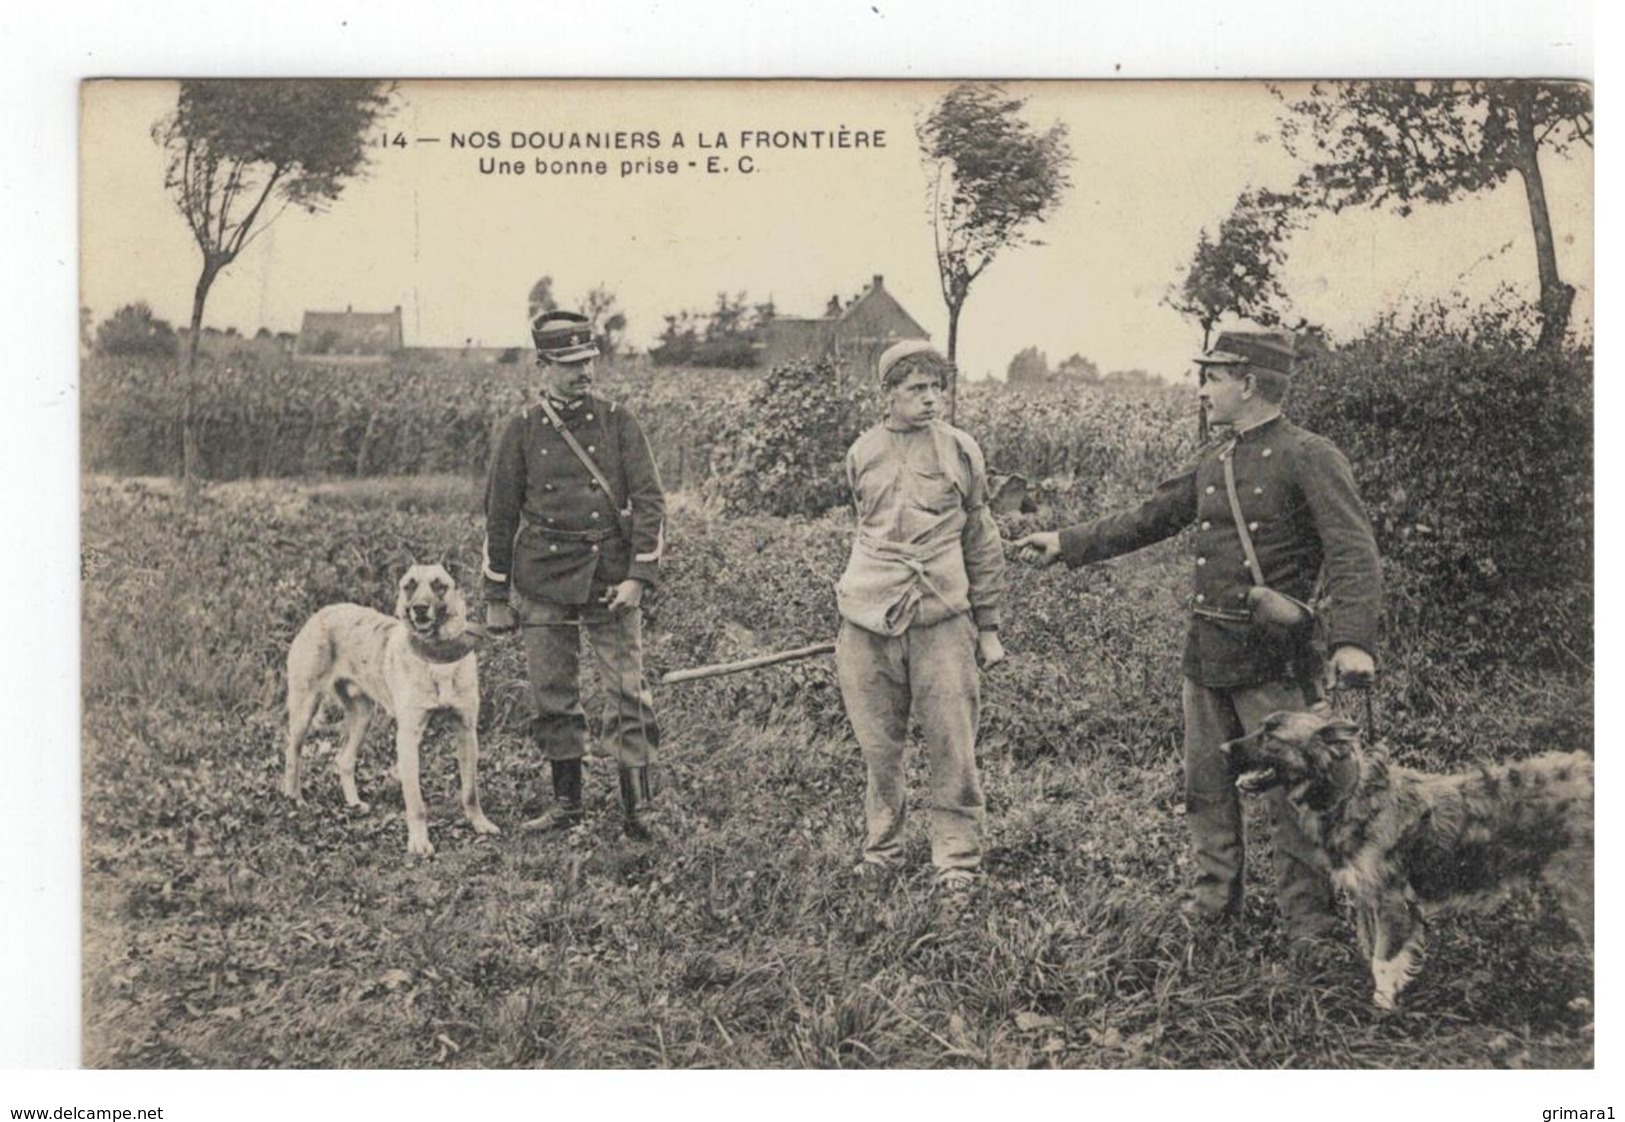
[(919, 605)]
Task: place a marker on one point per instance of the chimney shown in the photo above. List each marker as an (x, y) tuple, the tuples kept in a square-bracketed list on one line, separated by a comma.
[(877, 285)]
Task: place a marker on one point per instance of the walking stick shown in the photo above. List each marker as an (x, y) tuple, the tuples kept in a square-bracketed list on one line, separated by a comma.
[(716, 670)]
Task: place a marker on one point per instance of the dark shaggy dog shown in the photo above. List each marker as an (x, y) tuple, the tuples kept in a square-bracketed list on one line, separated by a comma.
[(1403, 844)]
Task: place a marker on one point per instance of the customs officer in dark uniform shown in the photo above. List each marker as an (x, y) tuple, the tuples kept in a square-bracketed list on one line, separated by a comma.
[(575, 528), (1307, 525)]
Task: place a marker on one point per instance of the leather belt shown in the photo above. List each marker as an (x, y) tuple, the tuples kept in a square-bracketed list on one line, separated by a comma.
[(571, 535), (1223, 615)]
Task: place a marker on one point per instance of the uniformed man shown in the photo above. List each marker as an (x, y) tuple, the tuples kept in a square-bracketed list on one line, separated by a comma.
[(919, 602), (1300, 507), (575, 526)]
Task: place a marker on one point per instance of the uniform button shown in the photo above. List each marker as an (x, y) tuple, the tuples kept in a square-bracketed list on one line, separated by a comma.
[(1207, 525), (552, 549), (1252, 525), (593, 483), (1210, 489), (595, 516), (1242, 595), (1200, 599), (589, 416), (1201, 560), (547, 486), (595, 549), (1265, 452), (544, 451), (590, 448), (1258, 490), (552, 521)]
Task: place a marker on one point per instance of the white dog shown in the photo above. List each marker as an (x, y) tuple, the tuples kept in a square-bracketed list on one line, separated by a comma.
[(420, 661)]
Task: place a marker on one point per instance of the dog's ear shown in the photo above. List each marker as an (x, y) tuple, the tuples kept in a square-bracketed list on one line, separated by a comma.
[(1339, 736), (401, 595)]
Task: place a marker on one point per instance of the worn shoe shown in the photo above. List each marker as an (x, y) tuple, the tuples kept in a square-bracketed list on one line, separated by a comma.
[(954, 888), (874, 875), (566, 812)]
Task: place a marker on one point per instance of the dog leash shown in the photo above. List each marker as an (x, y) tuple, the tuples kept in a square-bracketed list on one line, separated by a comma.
[(1367, 706)]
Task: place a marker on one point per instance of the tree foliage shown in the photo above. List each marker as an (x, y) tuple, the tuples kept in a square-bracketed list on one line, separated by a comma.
[(134, 330), (602, 309), (990, 179), (1076, 368), (540, 299), (1235, 273), (1400, 143), (1030, 367), (730, 335)]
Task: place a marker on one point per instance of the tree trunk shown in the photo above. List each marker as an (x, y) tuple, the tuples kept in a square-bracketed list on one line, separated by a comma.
[(1201, 413), (189, 452), (953, 368), (1556, 298)]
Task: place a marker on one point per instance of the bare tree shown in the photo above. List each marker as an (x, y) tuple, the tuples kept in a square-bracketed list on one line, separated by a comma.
[(236, 148), (990, 179), (1401, 143)]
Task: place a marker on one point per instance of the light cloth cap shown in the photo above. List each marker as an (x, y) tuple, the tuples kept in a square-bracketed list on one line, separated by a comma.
[(897, 352)]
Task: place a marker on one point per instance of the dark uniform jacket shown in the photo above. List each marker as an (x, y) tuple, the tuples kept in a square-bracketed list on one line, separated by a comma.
[(550, 530), (1298, 496)]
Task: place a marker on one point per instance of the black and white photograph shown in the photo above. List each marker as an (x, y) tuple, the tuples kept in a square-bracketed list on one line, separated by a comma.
[(952, 573)]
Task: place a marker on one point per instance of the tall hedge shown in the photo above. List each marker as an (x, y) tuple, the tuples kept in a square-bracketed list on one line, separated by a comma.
[(1474, 455)]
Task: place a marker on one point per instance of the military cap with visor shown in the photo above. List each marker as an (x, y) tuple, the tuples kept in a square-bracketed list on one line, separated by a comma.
[(1275, 351), (563, 337)]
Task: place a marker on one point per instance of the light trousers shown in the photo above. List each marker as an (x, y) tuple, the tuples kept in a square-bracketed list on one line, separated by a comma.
[(932, 672)]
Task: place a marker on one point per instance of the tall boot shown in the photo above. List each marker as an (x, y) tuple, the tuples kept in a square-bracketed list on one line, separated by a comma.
[(566, 810), (637, 803)]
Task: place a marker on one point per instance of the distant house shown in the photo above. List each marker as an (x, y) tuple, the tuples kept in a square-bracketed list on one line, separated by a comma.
[(350, 335), (850, 333)]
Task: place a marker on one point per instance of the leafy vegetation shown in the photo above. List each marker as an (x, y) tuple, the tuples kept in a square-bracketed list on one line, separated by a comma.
[(226, 927)]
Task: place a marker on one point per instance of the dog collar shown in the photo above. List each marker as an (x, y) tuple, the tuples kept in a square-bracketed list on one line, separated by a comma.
[(445, 650), (1345, 774)]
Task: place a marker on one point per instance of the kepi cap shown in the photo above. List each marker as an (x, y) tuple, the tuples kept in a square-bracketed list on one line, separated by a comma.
[(563, 337), (897, 352), (1266, 350)]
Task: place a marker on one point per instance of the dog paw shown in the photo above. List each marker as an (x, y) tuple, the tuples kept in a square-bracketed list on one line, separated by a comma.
[(360, 806), (420, 847), (483, 825), (1385, 1002)]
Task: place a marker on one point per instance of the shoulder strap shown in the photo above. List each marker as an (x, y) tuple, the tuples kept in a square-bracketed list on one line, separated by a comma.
[(580, 453), (1226, 456)]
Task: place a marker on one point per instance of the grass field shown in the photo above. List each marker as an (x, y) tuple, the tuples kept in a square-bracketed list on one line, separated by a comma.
[(226, 927)]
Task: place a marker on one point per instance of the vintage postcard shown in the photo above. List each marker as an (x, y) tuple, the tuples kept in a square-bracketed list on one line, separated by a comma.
[(836, 574)]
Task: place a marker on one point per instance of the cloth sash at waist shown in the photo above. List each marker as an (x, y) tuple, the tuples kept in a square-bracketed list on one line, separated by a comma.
[(889, 587)]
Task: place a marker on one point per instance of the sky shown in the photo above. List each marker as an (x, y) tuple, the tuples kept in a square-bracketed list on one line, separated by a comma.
[(458, 247)]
